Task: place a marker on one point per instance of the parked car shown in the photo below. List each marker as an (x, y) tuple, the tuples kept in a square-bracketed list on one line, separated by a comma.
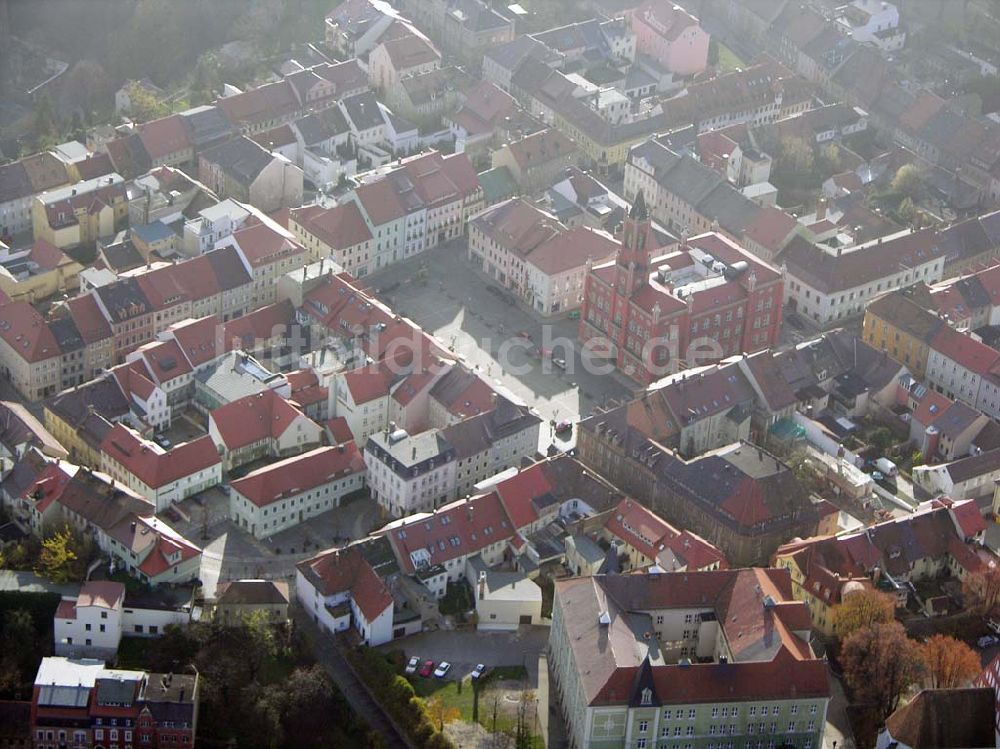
[(427, 669), (525, 335), (564, 426), (887, 467), (561, 363), (442, 670), (411, 665), (479, 670), (574, 315), (987, 641), (162, 442)]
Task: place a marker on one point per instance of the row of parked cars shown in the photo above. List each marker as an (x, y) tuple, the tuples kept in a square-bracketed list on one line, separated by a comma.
[(426, 669)]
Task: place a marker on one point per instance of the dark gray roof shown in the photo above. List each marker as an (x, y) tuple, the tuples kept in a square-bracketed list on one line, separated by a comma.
[(229, 268), (475, 435), (321, 126), (240, 158), (124, 299), (252, 592), (363, 110), (66, 334), (117, 691), (102, 395), (476, 15), (14, 182), (206, 125), (513, 53), (121, 255)]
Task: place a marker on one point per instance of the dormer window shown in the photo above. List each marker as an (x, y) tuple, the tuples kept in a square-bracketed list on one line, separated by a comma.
[(647, 697)]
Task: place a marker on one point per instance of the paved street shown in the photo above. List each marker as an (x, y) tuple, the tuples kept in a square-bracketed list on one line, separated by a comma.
[(454, 305), (230, 552)]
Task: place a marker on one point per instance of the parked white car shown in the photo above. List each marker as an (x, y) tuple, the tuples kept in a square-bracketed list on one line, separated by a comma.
[(411, 665), (442, 670)]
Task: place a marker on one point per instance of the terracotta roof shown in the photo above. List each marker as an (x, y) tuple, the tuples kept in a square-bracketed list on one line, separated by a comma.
[(262, 324), (165, 360), (254, 418), (340, 570), (606, 617), (103, 593), (266, 243), (298, 474), (154, 466), (340, 227), (160, 546), (828, 273), (540, 148), (198, 340), (476, 523), (25, 331), (66, 609), (964, 350), (340, 430), (164, 137), (463, 392), (47, 255), (410, 51), (658, 540)]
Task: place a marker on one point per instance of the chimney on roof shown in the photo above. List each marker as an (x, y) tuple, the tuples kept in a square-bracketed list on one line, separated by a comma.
[(821, 209)]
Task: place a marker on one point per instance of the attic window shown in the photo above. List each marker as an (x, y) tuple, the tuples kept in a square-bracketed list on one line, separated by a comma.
[(647, 697)]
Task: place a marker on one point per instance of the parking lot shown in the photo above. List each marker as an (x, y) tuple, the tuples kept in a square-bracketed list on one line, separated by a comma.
[(464, 649), (485, 329)]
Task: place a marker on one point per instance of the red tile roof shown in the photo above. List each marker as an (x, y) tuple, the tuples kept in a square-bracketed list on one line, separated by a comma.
[(341, 227), (964, 350), (164, 137), (89, 319), (476, 523), (165, 360), (198, 340), (25, 331), (266, 243), (66, 609), (340, 570), (152, 465), (254, 418), (366, 383), (262, 324), (340, 431), (517, 492), (47, 255), (410, 51), (540, 148), (653, 536), (106, 594), (298, 474)]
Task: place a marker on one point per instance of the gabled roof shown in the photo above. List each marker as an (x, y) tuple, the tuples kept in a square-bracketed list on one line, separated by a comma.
[(300, 473), (240, 158), (340, 227), (251, 593), (348, 570), (931, 719), (254, 418), (152, 465)]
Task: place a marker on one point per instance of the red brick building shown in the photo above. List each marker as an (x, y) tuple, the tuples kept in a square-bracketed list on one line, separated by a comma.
[(704, 298), (81, 704)]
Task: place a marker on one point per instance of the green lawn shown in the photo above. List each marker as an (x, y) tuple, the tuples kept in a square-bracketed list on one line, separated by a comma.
[(728, 60)]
